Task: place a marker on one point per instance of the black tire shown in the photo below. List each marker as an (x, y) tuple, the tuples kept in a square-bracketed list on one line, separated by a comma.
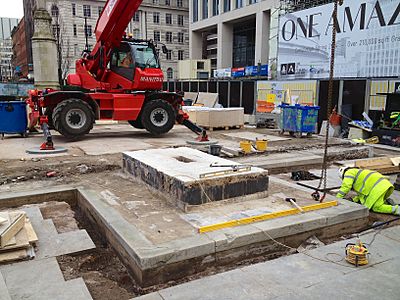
[(136, 123), (158, 116), (73, 118)]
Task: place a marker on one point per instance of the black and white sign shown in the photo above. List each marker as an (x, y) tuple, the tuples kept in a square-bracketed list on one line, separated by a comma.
[(368, 40)]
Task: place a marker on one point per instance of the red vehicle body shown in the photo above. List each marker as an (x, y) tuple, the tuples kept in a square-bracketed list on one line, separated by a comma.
[(120, 79)]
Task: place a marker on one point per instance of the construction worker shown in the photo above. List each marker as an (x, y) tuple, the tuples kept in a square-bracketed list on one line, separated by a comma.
[(372, 188)]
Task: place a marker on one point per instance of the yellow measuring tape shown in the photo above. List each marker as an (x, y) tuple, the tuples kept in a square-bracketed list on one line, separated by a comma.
[(264, 217)]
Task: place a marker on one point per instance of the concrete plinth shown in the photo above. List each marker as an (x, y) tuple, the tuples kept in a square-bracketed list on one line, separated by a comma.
[(177, 171), (44, 52)]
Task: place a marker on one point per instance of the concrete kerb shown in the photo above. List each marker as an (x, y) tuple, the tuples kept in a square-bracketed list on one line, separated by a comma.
[(143, 258)]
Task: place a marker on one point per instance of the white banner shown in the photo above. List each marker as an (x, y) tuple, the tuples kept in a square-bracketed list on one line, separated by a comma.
[(368, 40)]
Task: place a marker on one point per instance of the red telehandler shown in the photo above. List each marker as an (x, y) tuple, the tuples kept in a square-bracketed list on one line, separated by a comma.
[(120, 79)]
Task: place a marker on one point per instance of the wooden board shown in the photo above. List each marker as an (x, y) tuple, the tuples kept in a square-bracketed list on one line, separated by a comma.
[(13, 255), (32, 236), (384, 165), (5, 225), (395, 161), (22, 241), (16, 225)]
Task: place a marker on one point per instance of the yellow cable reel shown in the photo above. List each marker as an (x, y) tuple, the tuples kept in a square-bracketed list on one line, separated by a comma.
[(357, 254)]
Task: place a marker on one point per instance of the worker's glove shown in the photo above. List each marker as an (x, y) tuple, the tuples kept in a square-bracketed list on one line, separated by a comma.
[(396, 210), (393, 202)]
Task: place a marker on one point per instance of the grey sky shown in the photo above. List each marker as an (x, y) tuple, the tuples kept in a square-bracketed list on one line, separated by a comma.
[(11, 9)]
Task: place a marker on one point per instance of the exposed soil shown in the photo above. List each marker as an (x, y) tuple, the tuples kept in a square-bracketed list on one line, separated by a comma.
[(104, 274)]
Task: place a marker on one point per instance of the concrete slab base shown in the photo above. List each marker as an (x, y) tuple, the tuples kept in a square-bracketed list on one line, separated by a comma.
[(154, 263), (178, 173)]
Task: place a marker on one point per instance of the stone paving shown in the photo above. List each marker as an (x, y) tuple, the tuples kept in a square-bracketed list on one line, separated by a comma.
[(41, 278), (320, 273)]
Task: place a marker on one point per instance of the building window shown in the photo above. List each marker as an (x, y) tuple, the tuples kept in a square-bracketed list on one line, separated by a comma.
[(200, 65), (168, 2), (180, 54), (244, 44), (87, 12), (179, 3), (205, 9), (156, 17), (215, 7), (168, 36), (170, 73), (136, 16), (180, 37), (252, 1), (88, 30), (136, 33), (168, 19), (195, 10), (54, 11), (157, 36), (73, 9), (75, 30), (155, 1), (180, 20), (100, 9), (227, 5), (239, 3), (169, 54)]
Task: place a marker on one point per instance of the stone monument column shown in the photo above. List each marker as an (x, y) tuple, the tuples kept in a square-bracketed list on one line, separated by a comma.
[(44, 49)]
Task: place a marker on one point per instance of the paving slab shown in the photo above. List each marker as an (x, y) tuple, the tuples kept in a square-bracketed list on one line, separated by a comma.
[(321, 273), (25, 279), (4, 295), (64, 243), (233, 285)]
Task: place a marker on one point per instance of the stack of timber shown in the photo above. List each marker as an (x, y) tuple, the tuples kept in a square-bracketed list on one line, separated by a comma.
[(17, 237)]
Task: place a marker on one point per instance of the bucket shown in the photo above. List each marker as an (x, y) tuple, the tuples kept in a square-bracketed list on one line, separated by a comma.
[(261, 145), (215, 150), (188, 102), (245, 146)]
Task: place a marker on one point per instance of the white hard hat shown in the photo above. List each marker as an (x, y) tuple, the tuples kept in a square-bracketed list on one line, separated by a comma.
[(342, 170)]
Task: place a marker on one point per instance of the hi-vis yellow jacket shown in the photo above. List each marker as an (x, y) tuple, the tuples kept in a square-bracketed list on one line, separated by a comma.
[(369, 185)]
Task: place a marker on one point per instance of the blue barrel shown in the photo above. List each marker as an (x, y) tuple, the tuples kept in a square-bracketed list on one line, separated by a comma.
[(13, 117), (298, 118)]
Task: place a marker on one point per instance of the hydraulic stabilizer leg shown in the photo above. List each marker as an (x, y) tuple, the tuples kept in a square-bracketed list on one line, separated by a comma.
[(48, 144), (202, 133)]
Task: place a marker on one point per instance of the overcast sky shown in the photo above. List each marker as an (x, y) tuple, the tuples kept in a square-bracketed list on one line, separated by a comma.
[(11, 9)]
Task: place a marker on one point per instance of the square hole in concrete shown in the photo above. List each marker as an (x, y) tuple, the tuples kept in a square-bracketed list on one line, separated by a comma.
[(184, 159)]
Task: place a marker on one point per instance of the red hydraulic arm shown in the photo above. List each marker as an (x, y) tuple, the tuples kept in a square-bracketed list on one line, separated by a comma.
[(110, 29)]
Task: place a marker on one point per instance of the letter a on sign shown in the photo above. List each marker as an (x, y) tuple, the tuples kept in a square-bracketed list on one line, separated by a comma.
[(291, 69)]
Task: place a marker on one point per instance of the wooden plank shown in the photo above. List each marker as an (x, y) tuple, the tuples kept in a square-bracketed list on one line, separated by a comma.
[(13, 255), (396, 161), (22, 241), (16, 225), (5, 225), (379, 161), (32, 236)]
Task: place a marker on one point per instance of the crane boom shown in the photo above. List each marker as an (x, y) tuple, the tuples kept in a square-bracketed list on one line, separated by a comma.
[(109, 31)]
